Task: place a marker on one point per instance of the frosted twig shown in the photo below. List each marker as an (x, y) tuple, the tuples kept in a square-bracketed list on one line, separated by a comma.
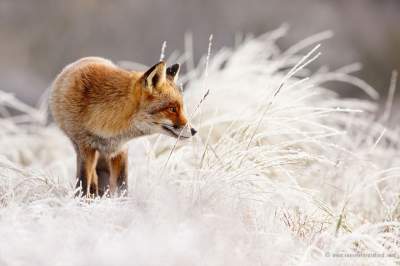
[(389, 101), (163, 47)]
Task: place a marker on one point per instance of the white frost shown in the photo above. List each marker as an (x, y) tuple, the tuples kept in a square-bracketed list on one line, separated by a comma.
[(282, 172)]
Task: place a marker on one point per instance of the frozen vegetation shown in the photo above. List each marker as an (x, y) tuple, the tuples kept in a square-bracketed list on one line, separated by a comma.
[(283, 172)]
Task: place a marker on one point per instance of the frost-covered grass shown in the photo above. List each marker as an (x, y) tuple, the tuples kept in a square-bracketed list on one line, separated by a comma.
[(282, 172)]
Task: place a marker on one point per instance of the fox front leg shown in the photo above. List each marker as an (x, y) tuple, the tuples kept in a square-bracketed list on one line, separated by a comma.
[(119, 173), (86, 171)]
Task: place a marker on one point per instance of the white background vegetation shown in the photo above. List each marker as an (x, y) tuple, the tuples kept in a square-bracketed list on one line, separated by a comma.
[(283, 172)]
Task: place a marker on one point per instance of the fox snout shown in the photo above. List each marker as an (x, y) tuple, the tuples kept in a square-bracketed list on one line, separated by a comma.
[(179, 131), (193, 131)]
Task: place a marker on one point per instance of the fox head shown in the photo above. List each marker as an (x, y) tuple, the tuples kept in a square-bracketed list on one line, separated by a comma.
[(161, 104)]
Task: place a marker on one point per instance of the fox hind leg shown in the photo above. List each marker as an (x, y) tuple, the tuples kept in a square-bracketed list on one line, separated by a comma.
[(81, 183), (90, 168), (86, 171)]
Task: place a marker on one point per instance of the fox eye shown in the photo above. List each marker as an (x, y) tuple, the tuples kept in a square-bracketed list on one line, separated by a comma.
[(172, 109)]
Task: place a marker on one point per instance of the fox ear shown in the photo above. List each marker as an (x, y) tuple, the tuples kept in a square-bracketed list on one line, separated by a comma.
[(155, 76), (173, 72)]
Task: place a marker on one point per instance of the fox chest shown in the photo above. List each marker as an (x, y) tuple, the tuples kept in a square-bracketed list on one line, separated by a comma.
[(107, 146)]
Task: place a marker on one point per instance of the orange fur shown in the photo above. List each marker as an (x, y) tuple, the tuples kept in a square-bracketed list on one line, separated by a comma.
[(101, 106)]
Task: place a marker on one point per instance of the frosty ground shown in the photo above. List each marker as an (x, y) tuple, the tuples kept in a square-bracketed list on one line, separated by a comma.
[(282, 172)]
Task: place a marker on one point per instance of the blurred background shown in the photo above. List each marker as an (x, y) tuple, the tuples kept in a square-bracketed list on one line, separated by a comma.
[(39, 37)]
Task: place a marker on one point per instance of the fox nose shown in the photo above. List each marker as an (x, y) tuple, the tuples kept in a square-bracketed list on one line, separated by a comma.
[(193, 131)]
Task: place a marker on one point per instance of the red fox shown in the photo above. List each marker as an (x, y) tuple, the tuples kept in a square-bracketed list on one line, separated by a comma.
[(101, 106)]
